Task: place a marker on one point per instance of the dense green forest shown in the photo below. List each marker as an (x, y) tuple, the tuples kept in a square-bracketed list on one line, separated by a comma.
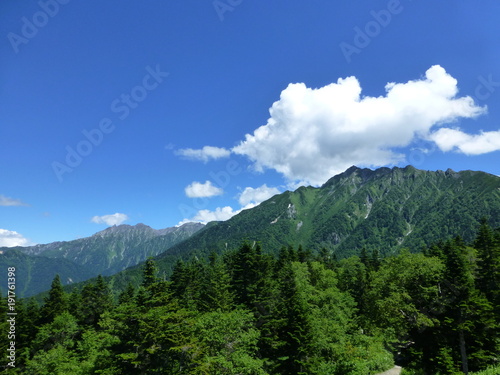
[(303, 312)]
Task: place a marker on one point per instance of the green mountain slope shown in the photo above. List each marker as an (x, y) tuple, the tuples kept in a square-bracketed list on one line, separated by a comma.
[(34, 273), (117, 247), (106, 252), (384, 209)]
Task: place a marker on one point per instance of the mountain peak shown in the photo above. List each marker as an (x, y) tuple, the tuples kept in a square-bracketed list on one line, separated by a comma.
[(363, 173), (124, 228)]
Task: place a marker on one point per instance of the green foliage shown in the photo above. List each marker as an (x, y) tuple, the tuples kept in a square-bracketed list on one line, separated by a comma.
[(226, 344), (246, 312), (490, 371), (56, 302)]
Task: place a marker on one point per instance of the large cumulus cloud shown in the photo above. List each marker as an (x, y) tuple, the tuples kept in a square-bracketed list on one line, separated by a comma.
[(313, 134)]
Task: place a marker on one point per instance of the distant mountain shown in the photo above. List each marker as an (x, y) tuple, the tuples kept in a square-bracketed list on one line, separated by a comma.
[(106, 253), (34, 273)]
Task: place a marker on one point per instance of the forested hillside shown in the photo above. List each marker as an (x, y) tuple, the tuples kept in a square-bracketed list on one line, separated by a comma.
[(301, 312)]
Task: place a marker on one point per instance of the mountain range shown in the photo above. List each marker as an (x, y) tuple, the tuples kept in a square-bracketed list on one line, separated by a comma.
[(106, 252), (384, 209)]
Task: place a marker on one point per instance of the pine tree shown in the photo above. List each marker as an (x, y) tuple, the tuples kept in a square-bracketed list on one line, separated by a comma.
[(294, 328), (488, 271), (460, 289), (363, 256), (127, 296), (469, 315), (304, 255), (149, 273), (95, 300), (56, 303), (375, 260), (179, 279), (217, 295), (251, 272)]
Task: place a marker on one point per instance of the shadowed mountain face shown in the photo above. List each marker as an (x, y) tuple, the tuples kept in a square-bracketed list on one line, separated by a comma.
[(106, 253)]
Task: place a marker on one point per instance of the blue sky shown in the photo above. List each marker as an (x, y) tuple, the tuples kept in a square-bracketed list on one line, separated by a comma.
[(163, 112)]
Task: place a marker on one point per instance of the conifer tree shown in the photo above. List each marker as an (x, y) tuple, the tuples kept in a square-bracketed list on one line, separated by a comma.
[(127, 296), (149, 273), (469, 316), (488, 271), (217, 295), (363, 256), (375, 260), (95, 300), (304, 256), (294, 330), (152, 291), (56, 303)]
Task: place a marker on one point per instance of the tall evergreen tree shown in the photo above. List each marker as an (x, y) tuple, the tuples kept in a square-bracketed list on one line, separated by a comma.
[(217, 295), (95, 300), (56, 303), (149, 275), (488, 271), (294, 332), (127, 296)]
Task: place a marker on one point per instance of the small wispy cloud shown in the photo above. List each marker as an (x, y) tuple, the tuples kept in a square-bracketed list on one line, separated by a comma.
[(205, 190), (7, 201), (204, 154), (110, 220)]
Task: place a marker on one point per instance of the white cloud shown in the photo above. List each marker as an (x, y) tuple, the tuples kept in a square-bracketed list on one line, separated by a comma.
[(204, 154), (470, 144), (110, 220), (206, 216), (10, 238), (205, 190), (6, 201), (313, 134), (251, 197)]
